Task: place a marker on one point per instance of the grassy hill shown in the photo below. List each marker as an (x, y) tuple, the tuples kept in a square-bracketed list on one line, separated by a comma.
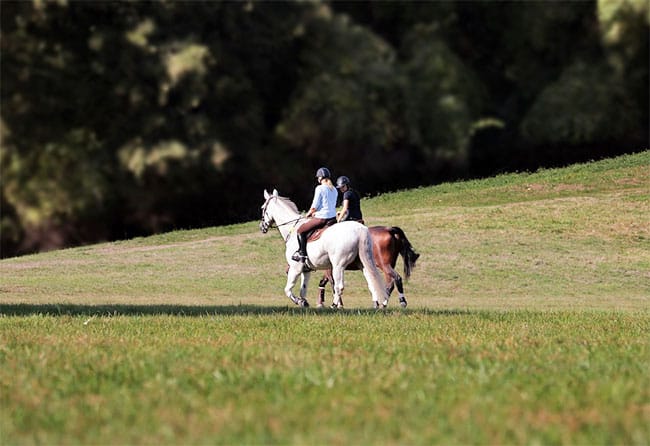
[(576, 237), (528, 324)]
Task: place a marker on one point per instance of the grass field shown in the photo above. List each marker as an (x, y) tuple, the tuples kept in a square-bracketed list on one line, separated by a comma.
[(528, 322)]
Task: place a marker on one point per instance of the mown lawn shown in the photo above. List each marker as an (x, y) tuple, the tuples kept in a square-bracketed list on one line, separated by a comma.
[(302, 377)]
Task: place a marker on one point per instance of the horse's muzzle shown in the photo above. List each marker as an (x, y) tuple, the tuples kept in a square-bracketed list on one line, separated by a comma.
[(264, 227)]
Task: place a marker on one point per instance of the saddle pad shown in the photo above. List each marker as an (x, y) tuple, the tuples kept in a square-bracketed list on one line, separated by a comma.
[(315, 235)]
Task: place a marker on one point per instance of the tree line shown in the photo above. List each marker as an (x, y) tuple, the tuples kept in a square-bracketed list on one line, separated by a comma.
[(122, 119)]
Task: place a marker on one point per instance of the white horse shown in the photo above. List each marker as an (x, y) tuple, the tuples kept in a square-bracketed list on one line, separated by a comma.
[(340, 245)]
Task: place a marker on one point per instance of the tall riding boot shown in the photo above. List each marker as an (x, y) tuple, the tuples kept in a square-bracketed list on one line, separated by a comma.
[(302, 243), (301, 255)]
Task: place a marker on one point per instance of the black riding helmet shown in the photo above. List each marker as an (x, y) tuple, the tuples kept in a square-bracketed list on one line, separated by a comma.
[(342, 181), (323, 172)]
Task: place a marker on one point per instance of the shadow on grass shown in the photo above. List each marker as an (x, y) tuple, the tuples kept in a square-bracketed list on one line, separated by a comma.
[(200, 311)]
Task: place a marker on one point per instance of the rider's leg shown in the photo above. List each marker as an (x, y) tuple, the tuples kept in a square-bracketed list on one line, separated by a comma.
[(302, 244), (303, 230), (301, 254)]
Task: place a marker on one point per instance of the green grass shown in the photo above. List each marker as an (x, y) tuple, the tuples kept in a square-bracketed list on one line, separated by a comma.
[(528, 322), (302, 377)]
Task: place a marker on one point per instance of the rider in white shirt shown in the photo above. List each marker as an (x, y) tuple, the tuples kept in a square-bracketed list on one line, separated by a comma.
[(322, 210)]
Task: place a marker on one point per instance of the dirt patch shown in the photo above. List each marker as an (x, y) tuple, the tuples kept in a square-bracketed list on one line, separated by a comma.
[(42, 264), (562, 187), (630, 181), (115, 249), (13, 289)]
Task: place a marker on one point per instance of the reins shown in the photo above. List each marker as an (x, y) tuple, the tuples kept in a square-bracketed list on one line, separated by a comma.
[(287, 222), (274, 224), (295, 222)]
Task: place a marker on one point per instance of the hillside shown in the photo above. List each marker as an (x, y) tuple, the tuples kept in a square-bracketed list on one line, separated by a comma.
[(576, 237)]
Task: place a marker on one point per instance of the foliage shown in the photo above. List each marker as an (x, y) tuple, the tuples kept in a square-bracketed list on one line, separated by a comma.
[(579, 109), (442, 99), (123, 119), (623, 28), (343, 113)]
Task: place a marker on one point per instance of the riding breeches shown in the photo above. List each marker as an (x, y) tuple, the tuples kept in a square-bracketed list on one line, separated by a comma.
[(311, 224)]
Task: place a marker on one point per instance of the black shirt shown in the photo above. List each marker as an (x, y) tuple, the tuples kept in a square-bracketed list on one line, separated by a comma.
[(354, 204)]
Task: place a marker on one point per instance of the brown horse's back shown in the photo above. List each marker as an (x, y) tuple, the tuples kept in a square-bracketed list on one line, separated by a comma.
[(386, 246)]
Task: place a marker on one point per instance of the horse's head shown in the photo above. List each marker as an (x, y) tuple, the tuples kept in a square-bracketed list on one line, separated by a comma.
[(267, 217)]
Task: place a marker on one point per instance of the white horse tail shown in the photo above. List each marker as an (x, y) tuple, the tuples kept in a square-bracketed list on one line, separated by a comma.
[(374, 278)]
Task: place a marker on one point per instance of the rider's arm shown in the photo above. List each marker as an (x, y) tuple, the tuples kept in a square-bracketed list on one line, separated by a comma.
[(316, 203), (343, 213)]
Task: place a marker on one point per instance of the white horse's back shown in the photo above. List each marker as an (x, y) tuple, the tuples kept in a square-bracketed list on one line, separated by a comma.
[(342, 241)]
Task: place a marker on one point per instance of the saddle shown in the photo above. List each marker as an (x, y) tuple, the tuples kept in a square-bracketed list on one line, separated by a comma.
[(316, 233)]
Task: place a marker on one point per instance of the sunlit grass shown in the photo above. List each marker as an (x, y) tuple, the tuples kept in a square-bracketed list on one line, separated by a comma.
[(418, 377), (528, 323)]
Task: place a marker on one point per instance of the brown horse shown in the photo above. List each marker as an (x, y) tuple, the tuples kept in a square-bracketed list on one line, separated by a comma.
[(387, 243)]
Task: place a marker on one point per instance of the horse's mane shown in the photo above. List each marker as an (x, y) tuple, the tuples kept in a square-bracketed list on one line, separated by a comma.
[(290, 204)]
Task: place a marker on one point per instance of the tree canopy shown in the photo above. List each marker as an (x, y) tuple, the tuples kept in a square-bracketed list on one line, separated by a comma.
[(125, 118)]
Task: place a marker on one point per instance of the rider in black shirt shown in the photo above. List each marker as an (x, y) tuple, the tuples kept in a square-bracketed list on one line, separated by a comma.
[(351, 209)]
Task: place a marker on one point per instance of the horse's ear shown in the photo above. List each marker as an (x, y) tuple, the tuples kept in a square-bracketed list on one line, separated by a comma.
[(266, 195), (275, 192)]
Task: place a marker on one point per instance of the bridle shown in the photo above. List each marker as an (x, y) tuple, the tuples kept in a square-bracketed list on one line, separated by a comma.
[(264, 226)]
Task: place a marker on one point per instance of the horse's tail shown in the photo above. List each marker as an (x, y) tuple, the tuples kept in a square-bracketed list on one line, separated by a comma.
[(409, 256), (373, 277)]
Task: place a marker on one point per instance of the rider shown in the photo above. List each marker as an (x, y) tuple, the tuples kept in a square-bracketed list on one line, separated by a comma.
[(351, 209), (323, 209)]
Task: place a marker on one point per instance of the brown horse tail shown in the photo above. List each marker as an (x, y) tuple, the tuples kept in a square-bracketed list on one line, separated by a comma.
[(409, 256)]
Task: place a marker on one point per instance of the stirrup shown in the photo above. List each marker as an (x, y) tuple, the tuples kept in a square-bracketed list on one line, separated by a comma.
[(297, 257)]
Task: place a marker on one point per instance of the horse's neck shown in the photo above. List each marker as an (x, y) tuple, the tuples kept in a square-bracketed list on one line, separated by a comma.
[(287, 221)]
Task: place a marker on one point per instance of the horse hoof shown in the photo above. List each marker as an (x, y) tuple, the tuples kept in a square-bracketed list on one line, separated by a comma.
[(301, 302), (403, 302), (320, 305), (375, 305)]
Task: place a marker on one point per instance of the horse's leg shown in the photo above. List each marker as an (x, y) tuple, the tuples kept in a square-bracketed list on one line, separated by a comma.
[(321, 291), (394, 279), (333, 288), (400, 290), (375, 302), (292, 277), (327, 277), (401, 246), (339, 285), (391, 288), (304, 282), (389, 277)]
